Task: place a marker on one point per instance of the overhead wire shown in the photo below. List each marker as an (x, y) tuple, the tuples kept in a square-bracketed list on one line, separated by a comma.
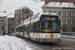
[(17, 7), (27, 4)]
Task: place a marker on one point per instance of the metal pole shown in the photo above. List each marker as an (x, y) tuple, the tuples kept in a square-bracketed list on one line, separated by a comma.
[(30, 25), (70, 21), (23, 26)]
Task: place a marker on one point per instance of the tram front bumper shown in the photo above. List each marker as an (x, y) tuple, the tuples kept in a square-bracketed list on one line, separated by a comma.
[(49, 40)]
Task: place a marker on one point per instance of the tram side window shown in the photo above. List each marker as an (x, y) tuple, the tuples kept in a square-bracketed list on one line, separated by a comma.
[(16, 29), (28, 28), (24, 28), (38, 26), (35, 27), (21, 29)]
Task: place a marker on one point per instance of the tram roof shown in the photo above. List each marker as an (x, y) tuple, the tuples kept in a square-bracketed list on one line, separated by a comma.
[(36, 17), (49, 13)]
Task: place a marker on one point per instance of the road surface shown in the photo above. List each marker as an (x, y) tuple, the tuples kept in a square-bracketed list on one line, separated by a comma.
[(17, 43)]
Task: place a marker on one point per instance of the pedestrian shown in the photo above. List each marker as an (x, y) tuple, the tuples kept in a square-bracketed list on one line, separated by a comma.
[(9, 32), (4, 33)]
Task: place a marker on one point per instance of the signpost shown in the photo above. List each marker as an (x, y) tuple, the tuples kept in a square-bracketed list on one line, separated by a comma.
[(69, 29)]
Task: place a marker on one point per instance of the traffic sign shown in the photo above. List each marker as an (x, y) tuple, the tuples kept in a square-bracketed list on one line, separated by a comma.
[(69, 26)]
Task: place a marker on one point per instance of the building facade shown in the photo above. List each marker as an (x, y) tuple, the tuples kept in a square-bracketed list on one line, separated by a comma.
[(9, 24), (2, 23), (20, 15), (65, 13), (6, 24)]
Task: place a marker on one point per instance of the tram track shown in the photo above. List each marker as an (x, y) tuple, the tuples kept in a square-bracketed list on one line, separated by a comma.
[(48, 46), (68, 42)]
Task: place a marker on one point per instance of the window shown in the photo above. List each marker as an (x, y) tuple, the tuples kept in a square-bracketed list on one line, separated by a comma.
[(69, 21), (21, 16), (12, 19), (64, 0), (64, 13), (21, 10), (24, 16), (59, 13), (63, 29), (16, 16), (15, 11), (30, 12), (49, 11), (69, 13), (8, 20), (35, 27), (73, 21), (0, 20), (44, 11), (73, 29), (73, 13), (54, 11), (42, 0), (27, 16), (64, 21)]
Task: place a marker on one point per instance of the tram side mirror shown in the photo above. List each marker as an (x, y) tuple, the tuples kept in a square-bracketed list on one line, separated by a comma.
[(59, 22), (60, 27)]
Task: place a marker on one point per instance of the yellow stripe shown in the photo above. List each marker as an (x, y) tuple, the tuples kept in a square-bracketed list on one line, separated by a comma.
[(52, 35), (46, 30), (33, 33), (34, 36)]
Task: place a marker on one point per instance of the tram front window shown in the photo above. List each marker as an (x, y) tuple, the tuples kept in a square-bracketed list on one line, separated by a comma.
[(50, 26)]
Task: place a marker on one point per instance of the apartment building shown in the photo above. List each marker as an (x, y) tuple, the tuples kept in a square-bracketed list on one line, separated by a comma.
[(65, 11), (21, 14)]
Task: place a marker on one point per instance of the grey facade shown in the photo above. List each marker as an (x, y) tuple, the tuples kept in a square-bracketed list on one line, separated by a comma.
[(11, 24)]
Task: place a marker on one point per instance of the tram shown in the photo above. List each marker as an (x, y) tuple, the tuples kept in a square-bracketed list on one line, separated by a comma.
[(42, 27)]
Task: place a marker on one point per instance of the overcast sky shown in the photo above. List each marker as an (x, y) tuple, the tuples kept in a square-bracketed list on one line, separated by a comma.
[(10, 5)]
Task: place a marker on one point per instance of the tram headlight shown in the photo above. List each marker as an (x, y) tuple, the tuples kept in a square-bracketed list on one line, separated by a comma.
[(44, 36), (58, 35)]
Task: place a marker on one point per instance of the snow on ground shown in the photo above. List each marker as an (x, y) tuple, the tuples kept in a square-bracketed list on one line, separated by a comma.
[(13, 43)]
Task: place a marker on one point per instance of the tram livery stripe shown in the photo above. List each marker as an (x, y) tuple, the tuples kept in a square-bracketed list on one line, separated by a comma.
[(52, 35), (34, 36)]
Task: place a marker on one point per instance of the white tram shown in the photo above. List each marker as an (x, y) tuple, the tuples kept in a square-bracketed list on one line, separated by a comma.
[(42, 27)]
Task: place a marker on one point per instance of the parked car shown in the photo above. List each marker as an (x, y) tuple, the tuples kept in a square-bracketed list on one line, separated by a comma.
[(6, 32), (68, 35), (64, 35)]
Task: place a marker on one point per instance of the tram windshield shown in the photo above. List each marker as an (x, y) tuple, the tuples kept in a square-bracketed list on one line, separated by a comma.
[(50, 25)]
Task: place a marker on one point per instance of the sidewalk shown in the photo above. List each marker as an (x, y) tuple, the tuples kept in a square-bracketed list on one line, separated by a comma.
[(13, 43)]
